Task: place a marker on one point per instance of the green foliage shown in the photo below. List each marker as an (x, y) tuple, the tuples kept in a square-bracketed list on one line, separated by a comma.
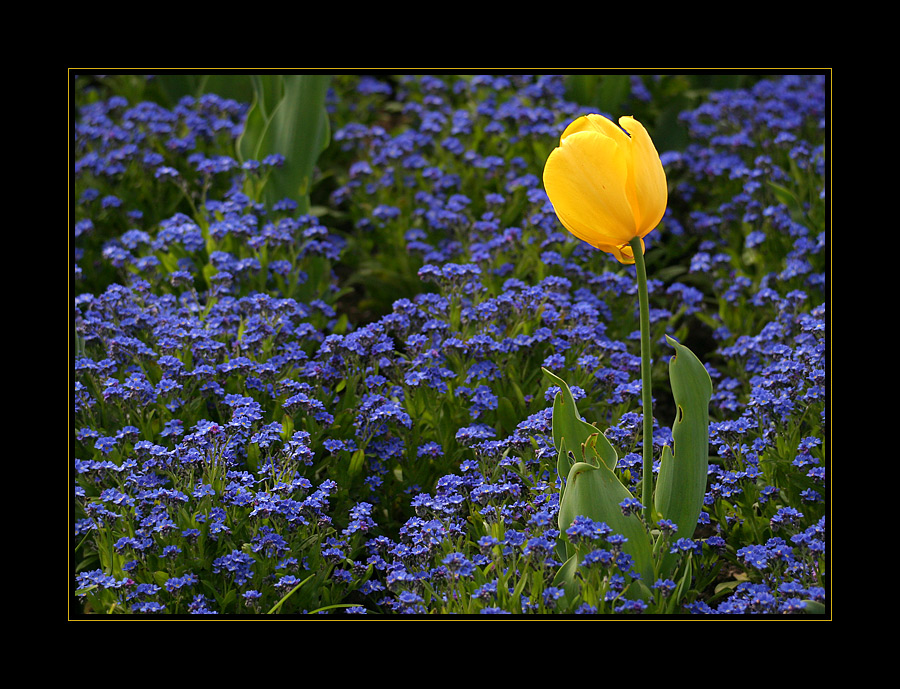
[(208, 320), (683, 469), (171, 87), (607, 93), (594, 491), (287, 117), (592, 488)]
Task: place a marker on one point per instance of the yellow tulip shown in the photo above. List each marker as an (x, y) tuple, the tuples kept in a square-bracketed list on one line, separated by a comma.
[(607, 187)]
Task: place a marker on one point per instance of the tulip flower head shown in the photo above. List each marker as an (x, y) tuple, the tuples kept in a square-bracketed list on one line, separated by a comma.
[(606, 183)]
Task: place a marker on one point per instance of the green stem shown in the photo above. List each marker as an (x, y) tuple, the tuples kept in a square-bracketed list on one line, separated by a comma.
[(646, 393), (288, 595)]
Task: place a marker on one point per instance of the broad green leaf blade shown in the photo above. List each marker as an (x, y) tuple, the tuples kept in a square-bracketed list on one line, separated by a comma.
[(268, 92), (597, 449), (255, 125), (595, 492), (288, 117), (356, 461), (300, 131), (506, 413), (815, 607), (563, 466), (234, 86), (683, 469), (567, 423), (565, 577)]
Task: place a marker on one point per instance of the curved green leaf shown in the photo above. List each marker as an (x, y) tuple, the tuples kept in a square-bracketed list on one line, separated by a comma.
[(583, 439), (683, 469), (597, 449), (288, 117), (564, 463), (565, 576), (595, 492), (814, 607)]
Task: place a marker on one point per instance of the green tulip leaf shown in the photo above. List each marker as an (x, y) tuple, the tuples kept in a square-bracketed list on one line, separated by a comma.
[(814, 607), (564, 462), (568, 424), (288, 117), (565, 577), (597, 449), (595, 492), (683, 468)]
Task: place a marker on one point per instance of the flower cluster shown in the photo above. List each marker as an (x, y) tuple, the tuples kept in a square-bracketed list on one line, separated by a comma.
[(283, 412)]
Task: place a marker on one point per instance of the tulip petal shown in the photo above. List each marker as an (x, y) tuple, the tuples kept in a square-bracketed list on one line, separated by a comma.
[(585, 180), (606, 183), (649, 178), (598, 123), (624, 253)]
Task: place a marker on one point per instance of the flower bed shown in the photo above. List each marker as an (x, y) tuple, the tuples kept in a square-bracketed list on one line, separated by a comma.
[(338, 406)]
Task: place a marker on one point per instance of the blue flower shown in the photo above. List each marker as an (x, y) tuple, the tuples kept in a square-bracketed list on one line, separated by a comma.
[(683, 545), (664, 586), (551, 595), (583, 529), (237, 564), (631, 506), (599, 556), (458, 565)]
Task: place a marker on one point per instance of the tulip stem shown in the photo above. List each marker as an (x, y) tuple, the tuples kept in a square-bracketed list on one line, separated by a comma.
[(646, 393)]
